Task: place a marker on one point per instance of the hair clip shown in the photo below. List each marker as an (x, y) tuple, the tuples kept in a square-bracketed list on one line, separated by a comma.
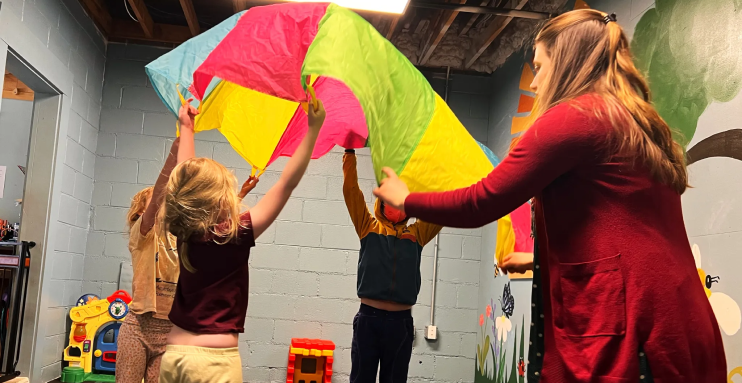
[(608, 18)]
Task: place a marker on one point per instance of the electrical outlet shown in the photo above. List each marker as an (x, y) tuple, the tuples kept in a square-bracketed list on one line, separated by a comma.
[(431, 332)]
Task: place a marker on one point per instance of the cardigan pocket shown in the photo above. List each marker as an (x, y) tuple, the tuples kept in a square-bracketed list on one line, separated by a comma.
[(593, 298)]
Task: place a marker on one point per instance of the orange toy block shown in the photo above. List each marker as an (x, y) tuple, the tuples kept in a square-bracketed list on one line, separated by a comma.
[(310, 361)]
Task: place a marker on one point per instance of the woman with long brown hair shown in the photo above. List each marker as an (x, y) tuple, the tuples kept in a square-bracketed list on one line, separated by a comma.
[(616, 294)]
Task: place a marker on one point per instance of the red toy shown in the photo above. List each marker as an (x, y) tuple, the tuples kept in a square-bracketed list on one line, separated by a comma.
[(123, 295), (313, 357)]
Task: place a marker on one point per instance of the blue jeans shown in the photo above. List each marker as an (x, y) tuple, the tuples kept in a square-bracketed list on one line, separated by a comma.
[(382, 340)]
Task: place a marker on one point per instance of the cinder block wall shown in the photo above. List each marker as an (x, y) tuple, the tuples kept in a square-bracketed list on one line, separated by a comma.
[(67, 33), (304, 268)]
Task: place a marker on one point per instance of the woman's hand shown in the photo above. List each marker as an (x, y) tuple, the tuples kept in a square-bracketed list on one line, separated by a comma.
[(316, 116), (248, 186), (517, 263), (187, 114), (393, 191)]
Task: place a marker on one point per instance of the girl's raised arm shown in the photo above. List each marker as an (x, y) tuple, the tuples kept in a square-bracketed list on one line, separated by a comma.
[(266, 211), (158, 193)]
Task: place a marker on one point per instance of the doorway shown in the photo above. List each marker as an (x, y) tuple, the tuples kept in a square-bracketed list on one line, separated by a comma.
[(15, 127), (34, 123)]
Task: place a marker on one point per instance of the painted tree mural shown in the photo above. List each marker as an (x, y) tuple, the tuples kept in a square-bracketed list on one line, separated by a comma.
[(690, 51)]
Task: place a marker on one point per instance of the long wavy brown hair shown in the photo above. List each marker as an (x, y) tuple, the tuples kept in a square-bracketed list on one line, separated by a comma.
[(588, 55), (200, 202)]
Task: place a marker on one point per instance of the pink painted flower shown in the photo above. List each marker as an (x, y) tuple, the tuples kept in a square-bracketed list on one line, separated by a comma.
[(481, 319), (489, 311)]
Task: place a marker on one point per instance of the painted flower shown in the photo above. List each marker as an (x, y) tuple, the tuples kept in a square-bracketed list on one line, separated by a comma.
[(726, 309), (496, 351), (494, 306), (489, 311), (504, 326), (481, 319)]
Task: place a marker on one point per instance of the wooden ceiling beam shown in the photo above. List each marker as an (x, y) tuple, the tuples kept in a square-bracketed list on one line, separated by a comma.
[(98, 12), (238, 5), (142, 14), (162, 33), (190, 15), (373, 18), (490, 34), (392, 27), (444, 22), (15, 89), (472, 19), (241, 5)]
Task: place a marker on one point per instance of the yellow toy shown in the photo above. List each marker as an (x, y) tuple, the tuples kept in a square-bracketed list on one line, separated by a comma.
[(93, 338)]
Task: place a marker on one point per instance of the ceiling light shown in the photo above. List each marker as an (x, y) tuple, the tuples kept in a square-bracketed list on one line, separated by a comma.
[(385, 6)]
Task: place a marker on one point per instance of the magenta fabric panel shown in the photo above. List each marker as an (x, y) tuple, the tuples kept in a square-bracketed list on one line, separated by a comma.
[(264, 51), (345, 124), (521, 219)]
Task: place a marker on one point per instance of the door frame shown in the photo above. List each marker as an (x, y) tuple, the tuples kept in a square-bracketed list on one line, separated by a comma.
[(35, 65)]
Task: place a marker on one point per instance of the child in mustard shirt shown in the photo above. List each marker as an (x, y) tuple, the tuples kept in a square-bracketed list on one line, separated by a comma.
[(388, 283)]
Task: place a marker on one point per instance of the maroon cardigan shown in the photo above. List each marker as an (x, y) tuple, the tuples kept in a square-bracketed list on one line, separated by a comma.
[(617, 269)]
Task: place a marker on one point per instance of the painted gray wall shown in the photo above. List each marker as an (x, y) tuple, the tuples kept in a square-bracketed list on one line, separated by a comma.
[(63, 29), (303, 270), (15, 125)]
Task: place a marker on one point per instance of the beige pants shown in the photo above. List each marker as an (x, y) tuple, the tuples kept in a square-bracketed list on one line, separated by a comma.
[(190, 364)]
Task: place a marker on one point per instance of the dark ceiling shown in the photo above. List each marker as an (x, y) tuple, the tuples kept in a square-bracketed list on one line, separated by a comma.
[(467, 35)]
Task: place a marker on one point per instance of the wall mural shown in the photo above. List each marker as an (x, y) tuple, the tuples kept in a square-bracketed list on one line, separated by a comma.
[(493, 365), (725, 308), (690, 52), (526, 99), (734, 373)]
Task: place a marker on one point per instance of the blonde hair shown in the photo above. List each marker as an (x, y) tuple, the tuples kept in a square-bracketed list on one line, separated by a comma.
[(200, 200), (138, 204), (590, 55)]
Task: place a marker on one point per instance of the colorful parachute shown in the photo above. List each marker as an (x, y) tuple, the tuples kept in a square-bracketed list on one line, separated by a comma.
[(250, 76), (514, 233), (514, 229)]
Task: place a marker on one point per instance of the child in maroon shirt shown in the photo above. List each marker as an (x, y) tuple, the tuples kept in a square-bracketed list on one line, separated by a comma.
[(202, 210)]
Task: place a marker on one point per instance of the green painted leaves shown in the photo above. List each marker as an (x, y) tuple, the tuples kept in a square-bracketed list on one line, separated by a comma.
[(689, 51)]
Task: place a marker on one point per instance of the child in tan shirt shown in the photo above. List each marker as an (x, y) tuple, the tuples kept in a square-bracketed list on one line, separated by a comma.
[(143, 334)]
